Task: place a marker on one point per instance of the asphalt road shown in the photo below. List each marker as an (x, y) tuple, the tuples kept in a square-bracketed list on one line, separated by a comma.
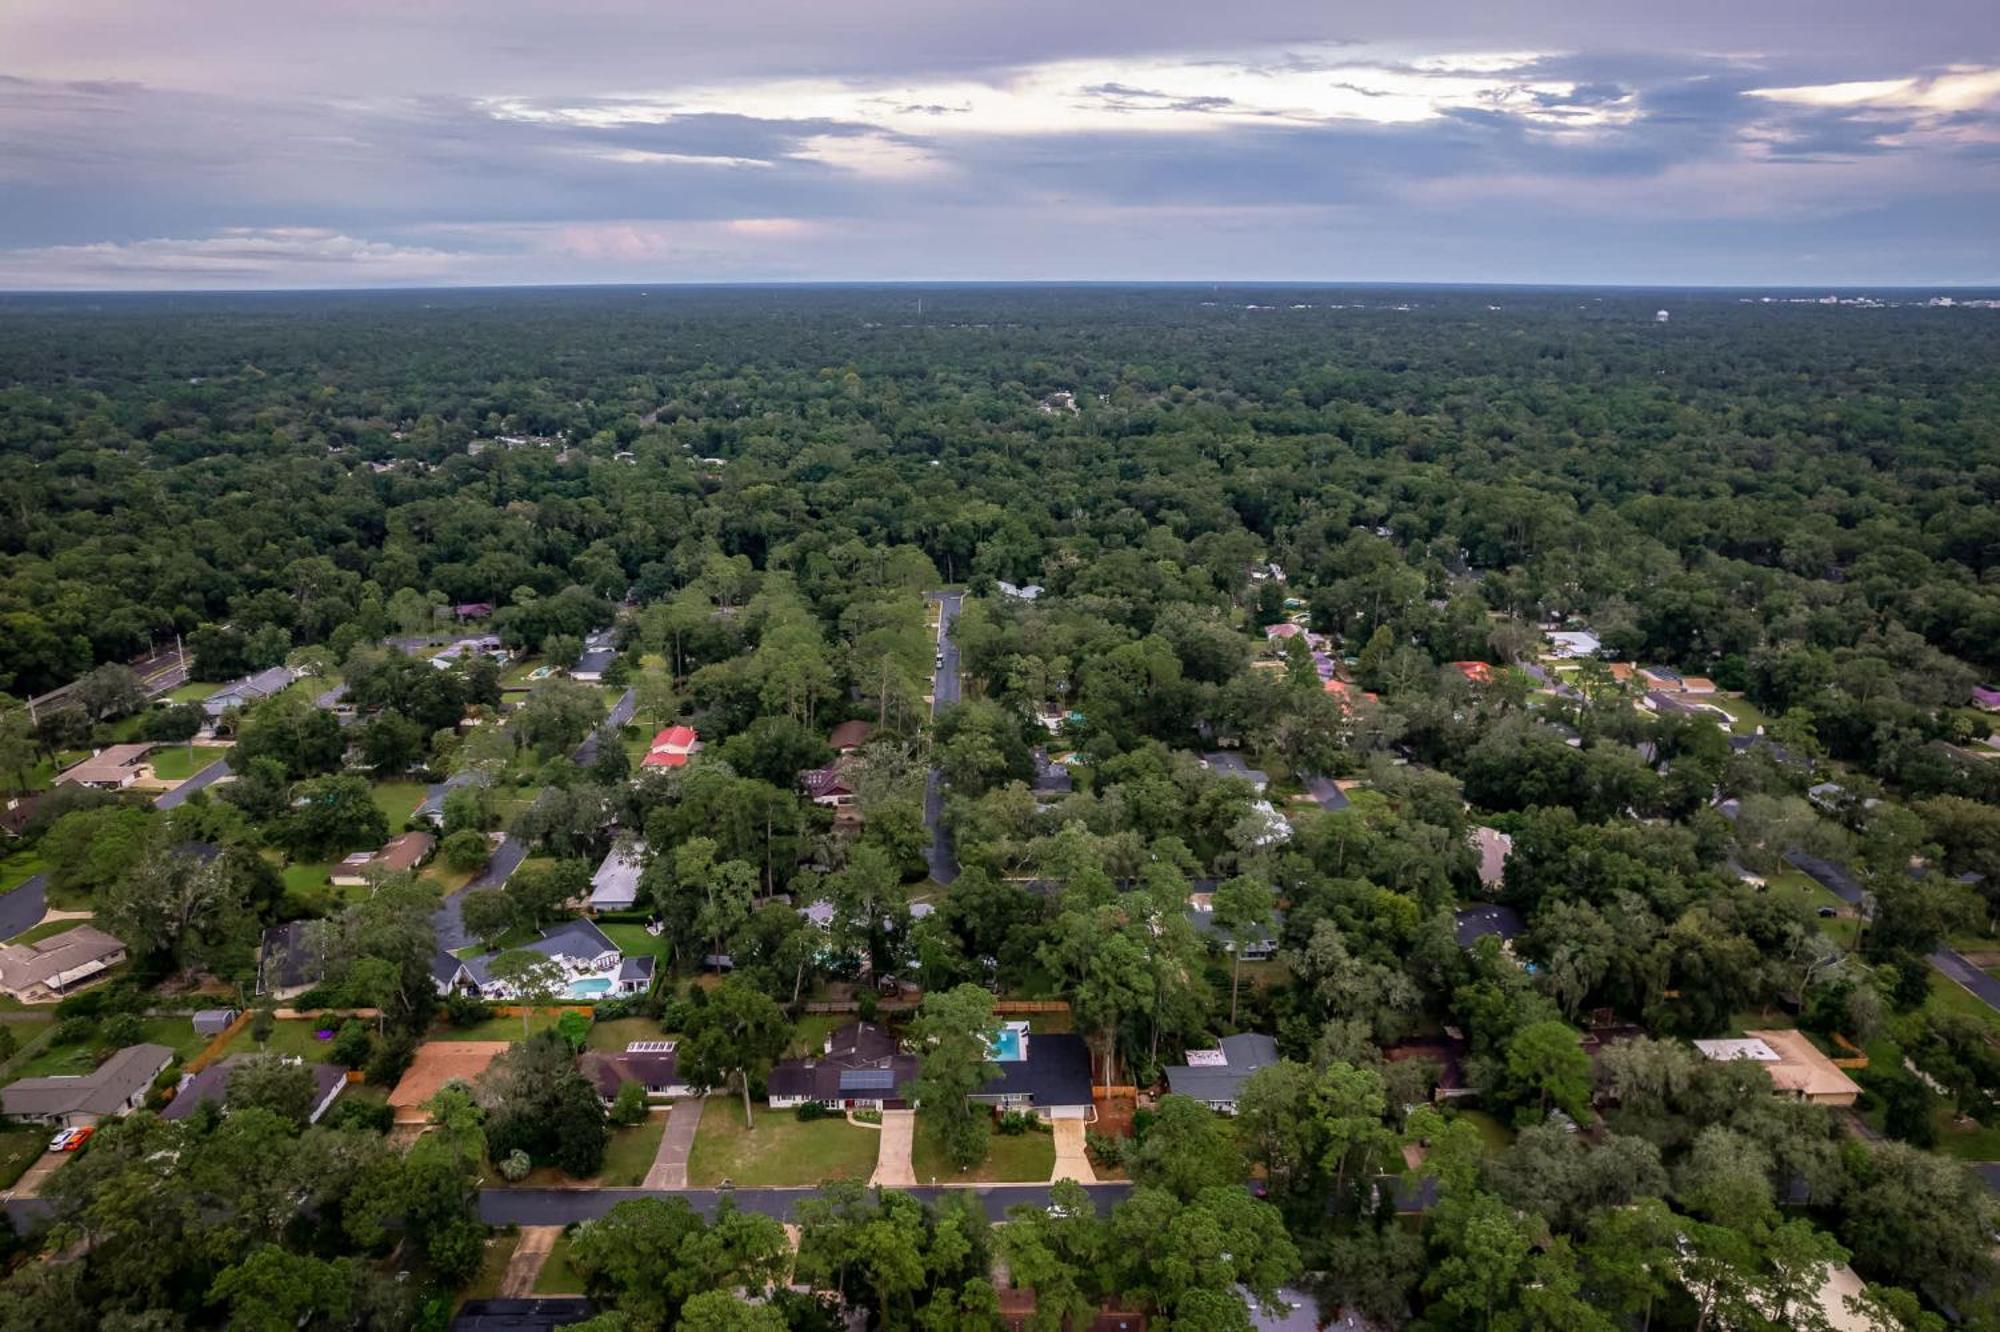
[(23, 908), (1956, 968), (207, 777), (945, 690), (621, 712), (559, 1207), (448, 920)]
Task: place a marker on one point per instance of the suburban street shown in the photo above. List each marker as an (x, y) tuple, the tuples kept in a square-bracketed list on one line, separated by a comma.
[(23, 908), (447, 920), (945, 684), (621, 712), (559, 1207)]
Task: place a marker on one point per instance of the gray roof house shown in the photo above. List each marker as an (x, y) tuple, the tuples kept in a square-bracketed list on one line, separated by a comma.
[(212, 1084), (114, 1087), (598, 654), (594, 966), (1216, 1077), (248, 690), (615, 886)]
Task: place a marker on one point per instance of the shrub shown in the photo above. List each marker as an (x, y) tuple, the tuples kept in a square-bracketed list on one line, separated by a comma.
[(262, 1023), (352, 1046), (464, 851), (391, 1059), (1013, 1123), (514, 1166), (73, 1031), (121, 1030), (1107, 1150), (867, 1116), (629, 1106), (811, 1110), (466, 1010), (364, 1115)]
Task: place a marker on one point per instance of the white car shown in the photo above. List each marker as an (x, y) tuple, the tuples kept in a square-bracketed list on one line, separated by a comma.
[(62, 1140)]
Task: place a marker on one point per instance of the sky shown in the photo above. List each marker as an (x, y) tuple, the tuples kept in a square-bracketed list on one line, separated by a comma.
[(365, 143)]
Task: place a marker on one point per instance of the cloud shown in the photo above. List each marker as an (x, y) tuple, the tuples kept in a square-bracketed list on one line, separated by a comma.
[(237, 257)]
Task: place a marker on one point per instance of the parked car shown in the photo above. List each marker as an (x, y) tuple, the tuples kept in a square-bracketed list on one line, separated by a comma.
[(69, 1139)]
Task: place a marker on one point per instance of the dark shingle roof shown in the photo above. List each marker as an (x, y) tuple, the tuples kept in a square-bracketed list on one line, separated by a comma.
[(1475, 923), (1056, 1072)]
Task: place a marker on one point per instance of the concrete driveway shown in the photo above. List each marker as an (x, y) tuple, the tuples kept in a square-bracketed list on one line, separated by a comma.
[(670, 1164), (29, 1185), (1072, 1162), (892, 1160), (524, 1267)]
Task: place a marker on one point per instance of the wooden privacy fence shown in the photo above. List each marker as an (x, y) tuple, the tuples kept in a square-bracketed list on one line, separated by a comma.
[(213, 1050)]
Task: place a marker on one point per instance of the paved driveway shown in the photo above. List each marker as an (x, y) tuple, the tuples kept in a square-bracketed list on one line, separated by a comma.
[(29, 1185), (670, 1164), (892, 1159), (1072, 1162), (22, 909), (525, 1264), (201, 781), (1957, 968)]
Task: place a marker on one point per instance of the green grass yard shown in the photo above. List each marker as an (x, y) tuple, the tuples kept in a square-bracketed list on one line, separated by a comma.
[(631, 1152), (177, 1034), (1019, 1158), (398, 801), (295, 1038), (177, 763), (19, 866), (194, 691), (18, 1149), (620, 1032), (493, 1029), (557, 1276), (780, 1151), (493, 1266)]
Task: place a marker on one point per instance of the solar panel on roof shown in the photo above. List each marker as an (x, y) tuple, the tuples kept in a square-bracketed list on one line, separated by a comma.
[(868, 1079), (650, 1047)]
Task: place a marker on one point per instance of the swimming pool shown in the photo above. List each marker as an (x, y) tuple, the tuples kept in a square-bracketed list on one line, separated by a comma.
[(1007, 1045), (590, 987)]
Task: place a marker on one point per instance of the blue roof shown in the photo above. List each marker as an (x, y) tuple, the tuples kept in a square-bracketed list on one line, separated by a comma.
[(868, 1079)]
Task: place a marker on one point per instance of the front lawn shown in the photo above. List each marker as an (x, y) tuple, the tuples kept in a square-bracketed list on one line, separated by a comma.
[(493, 1266), (780, 1151), (177, 763), (398, 801), (69, 1060), (1018, 1158), (18, 1149), (194, 691), (19, 867), (631, 1152), (557, 1276)]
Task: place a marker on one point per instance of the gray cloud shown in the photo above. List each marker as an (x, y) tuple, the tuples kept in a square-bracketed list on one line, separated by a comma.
[(620, 141)]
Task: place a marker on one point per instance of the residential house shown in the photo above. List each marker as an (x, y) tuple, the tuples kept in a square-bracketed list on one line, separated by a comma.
[(1276, 634), (1476, 672), (288, 960), (1045, 1072), (1327, 793), (46, 970), (431, 810), (18, 812), (1201, 914), (1216, 1077), (593, 966), (1274, 830), (615, 886), (212, 1084), (1493, 848), (835, 786), (473, 610), (115, 1087), (862, 1067), (654, 1065), (1022, 592), (395, 856), (538, 1313), (248, 690), (112, 768), (850, 736), (481, 645), (1228, 764), (1661, 678), (1796, 1066), (1568, 644), (672, 748), (1051, 779), (596, 659)]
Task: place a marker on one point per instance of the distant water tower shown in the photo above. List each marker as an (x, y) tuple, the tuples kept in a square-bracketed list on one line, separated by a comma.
[(1661, 316)]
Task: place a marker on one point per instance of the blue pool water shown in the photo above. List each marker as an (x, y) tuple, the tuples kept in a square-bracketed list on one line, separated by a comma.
[(590, 987), (1007, 1045)]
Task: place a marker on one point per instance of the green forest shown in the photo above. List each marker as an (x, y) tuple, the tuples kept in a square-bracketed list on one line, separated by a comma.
[(1557, 726)]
